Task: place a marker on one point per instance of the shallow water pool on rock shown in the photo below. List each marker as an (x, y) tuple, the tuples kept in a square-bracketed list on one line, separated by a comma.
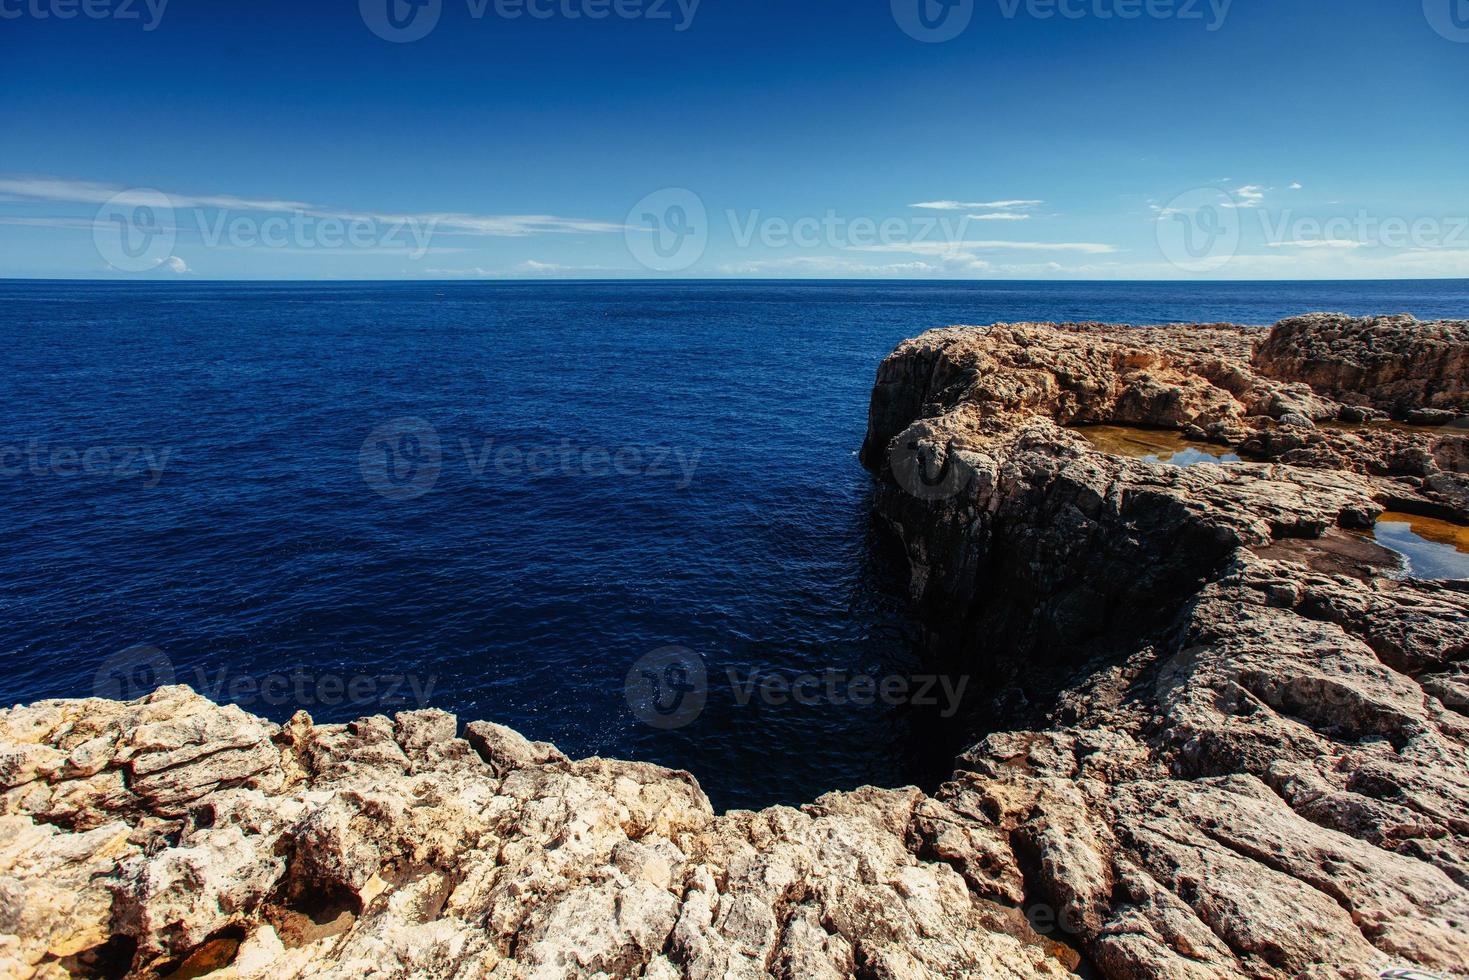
[(1434, 549), (1154, 445)]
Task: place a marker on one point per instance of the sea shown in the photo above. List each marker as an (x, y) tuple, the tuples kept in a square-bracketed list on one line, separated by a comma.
[(624, 517)]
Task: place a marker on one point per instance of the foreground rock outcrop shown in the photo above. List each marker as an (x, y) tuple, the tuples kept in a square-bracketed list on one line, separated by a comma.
[(1235, 742), (170, 833)]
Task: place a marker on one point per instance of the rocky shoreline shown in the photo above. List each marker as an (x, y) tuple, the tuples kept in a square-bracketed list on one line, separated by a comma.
[(1246, 750)]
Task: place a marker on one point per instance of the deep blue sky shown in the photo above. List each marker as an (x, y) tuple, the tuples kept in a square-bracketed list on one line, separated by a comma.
[(768, 112)]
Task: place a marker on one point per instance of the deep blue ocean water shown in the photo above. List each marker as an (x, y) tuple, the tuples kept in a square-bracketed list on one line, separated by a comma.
[(496, 498)]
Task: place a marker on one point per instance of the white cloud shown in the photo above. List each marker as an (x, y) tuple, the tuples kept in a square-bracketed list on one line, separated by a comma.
[(1250, 195), (953, 248), (475, 273), (1295, 185), (499, 225), (976, 205), (823, 265), (73, 223), (530, 267), (1319, 243), (177, 266), (1000, 216), (92, 192)]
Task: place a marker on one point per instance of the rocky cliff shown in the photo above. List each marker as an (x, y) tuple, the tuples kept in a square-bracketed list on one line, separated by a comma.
[(1258, 766), (1245, 752)]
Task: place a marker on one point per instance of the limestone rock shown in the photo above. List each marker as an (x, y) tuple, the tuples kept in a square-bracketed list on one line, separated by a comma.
[(391, 847), (1244, 749), (1262, 766)]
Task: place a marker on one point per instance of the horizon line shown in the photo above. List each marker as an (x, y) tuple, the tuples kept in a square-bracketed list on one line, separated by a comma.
[(523, 280)]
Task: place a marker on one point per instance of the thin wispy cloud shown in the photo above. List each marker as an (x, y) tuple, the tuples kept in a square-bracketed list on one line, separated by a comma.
[(1319, 243), (60, 190), (975, 205), (959, 248), (1000, 216), (527, 268), (70, 223), (66, 191), (824, 265), (534, 267)]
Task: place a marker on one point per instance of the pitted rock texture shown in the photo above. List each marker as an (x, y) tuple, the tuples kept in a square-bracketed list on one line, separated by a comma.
[(1390, 363), (969, 429), (144, 838), (1249, 756), (1261, 767)]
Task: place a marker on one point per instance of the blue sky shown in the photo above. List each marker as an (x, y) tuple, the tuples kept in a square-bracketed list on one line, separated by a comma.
[(1099, 139)]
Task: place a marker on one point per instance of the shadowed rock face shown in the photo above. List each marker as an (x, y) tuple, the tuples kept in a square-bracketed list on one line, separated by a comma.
[(1262, 768), (1258, 767)]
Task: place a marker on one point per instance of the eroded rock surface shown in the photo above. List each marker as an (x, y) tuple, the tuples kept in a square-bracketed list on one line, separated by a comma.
[(1249, 761), (1394, 364), (141, 838), (1262, 766)]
